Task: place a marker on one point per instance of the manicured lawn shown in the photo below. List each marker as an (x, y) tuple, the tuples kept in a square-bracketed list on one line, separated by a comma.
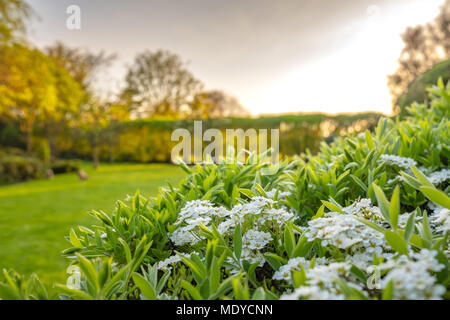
[(36, 216)]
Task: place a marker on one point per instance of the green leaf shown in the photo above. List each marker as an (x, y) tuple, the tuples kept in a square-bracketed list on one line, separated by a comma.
[(193, 291), (421, 177), (303, 247), (145, 287), (127, 250), (259, 294), (214, 278), (396, 242), (436, 196), (289, 240), (382, 201), (409, 226), (410, 180), (275, 261), (89, 271), (332, 207), (369, 140), (8, 293), (370, 224), (359, 182), (74, 293), (388, 292), (237, 241), (74, 240), (394, 209), (426, 227)]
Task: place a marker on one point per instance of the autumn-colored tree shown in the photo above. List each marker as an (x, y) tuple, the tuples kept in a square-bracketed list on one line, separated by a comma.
[(84, 66), (70, 97), (94, 114), (425, 46), (27, 88), (13, 16), (158, 83), (216, 104)]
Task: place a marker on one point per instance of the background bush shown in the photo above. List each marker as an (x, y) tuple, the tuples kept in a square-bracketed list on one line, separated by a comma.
[(14, 168)]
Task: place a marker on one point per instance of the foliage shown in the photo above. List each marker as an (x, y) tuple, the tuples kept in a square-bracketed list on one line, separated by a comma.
[(425, 46), (417, 90), (366, 218), (150, 140), (33, 87), (65, 166), (13, 16), (158, 83), (216, 104), (15, 168)]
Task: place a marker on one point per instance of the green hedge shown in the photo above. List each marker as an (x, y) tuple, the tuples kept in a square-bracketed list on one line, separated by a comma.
[(150, 140), (14, 168)]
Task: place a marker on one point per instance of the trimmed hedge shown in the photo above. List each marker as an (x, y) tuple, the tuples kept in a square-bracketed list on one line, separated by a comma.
[(14, 168)]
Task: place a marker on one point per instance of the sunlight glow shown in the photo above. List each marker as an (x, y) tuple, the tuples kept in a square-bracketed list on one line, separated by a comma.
[(353, 79)]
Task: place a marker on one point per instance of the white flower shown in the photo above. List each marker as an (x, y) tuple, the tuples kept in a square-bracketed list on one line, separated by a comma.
[(321, 283), (170, 261), (254, 239), (411, 276), (397, 161), (281, 195), (438, 177), (441, 219), (284, 273)]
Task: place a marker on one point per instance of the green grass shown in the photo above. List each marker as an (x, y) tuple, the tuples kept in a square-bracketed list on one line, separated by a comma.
[(36, 216)]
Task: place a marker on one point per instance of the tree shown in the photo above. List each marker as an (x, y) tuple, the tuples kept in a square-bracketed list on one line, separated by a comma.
[(417, 90), (216, 104), (425, 46), (98, 124), (33, 87), (83, 65), (13, 14), (158, 83), (94, 113), (27, 88), (70, 97)]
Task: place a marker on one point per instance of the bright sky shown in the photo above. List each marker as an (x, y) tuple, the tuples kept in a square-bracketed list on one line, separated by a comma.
[(274, 56)]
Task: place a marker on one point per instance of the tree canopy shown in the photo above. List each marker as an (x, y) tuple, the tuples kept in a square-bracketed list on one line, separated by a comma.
[(425, 46), (159, 83)]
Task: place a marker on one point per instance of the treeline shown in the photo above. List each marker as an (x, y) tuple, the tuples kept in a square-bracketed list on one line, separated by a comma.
[(150, 140)]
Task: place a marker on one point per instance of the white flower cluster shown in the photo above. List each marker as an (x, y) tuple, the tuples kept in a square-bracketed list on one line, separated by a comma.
[(284, 273), (344, 231), (198, 212), (255, 240), (441, 219), (191, 216), (397, 161), (321, 283), (439, 177), (281, 194), (411, 276), (261, 211), (167, 264)]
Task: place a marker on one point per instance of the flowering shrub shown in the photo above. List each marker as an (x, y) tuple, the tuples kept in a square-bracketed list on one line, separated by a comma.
[(366, 218)]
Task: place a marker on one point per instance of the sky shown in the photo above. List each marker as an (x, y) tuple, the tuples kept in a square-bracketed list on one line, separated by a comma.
[(285, 56)]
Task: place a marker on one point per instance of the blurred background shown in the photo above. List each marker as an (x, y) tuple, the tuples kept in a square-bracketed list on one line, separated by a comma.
[(90, 92)]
